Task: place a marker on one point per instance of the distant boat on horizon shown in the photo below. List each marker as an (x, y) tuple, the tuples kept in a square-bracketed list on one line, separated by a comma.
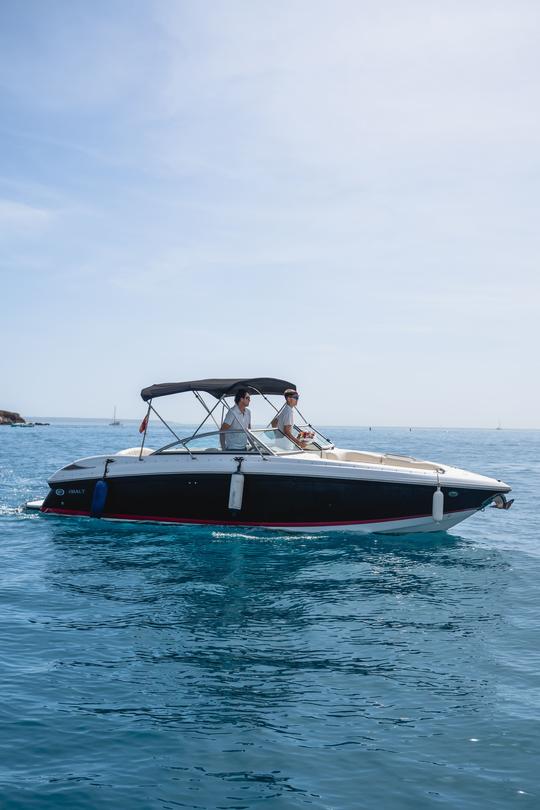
[(115, 421)]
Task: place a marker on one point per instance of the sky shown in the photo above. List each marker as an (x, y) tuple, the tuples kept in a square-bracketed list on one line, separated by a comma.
[(344, 194)]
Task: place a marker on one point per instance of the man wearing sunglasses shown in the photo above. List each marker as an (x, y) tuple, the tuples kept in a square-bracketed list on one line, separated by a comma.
[(237, 419), (284, 421)]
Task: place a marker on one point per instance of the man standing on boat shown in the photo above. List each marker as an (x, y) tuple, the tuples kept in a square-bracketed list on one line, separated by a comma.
[(237, 419), (284, 421)]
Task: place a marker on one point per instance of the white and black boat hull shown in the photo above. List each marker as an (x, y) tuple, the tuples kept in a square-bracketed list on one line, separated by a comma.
[(276, 494)]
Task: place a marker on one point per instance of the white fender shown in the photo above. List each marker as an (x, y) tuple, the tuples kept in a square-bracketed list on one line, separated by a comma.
[(236, 491), (438, 505)]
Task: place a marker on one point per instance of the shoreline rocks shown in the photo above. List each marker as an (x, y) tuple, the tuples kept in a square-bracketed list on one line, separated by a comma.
[(11, 418)]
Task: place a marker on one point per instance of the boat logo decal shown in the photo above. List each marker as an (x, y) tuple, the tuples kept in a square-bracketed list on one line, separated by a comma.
[(59, 492), (75, 491), (453, 493)]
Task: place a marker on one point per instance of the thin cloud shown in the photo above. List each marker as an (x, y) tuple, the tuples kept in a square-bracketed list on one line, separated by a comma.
[(19, 217)]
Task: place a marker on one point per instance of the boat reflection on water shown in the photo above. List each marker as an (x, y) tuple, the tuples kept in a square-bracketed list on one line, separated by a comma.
[(240, 626), (266, 564)]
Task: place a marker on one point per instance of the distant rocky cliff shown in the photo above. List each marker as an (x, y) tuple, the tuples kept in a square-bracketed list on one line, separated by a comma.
[(10, 418)]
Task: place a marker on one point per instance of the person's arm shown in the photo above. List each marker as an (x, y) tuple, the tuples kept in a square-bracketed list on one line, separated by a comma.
[(275, 420), (287, 429), (224, 426)]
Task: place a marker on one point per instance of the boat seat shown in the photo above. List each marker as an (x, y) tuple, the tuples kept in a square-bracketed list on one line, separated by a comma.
[(135, 451), (387, 459), (352, 455)]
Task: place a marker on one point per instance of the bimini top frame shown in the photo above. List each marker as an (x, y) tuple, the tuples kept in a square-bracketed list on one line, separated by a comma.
[(220, 389)]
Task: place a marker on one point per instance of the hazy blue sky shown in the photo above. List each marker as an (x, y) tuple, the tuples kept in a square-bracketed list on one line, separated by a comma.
[(341, 193)]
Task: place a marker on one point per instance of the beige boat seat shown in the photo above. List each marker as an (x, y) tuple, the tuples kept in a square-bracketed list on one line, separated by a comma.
[(387, 459), (135, 451)]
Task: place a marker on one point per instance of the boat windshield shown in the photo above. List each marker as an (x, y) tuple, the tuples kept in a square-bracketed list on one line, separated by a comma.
[(267, 442), (276, 441)]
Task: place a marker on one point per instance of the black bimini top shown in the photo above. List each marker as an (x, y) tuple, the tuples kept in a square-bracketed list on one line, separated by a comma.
[(219, 388)]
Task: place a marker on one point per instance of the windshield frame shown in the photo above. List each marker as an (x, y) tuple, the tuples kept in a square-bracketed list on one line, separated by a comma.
[(319, 441), (257, 444)]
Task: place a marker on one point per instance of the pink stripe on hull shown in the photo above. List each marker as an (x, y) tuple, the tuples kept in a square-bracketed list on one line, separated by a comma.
[(196, 521)]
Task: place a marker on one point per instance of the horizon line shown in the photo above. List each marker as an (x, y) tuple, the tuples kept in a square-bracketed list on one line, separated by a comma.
[(367, 426)]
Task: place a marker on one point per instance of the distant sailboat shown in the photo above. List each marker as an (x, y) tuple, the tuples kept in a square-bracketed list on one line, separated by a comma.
[(114, 419)]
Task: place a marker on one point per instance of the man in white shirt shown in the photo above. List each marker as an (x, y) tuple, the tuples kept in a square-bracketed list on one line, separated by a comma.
[(237, 418), (284, 421)]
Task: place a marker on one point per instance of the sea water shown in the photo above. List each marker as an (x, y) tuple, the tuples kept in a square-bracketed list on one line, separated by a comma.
[(191, 667)]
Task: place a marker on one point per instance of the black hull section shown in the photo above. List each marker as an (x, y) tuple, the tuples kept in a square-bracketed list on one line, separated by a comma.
[(268, 500)]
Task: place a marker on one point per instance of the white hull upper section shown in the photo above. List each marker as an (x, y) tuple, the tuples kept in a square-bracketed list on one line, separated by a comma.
[(392, 470)]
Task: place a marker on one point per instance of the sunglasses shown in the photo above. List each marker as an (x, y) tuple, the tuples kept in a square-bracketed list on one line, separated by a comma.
[(293, 396)]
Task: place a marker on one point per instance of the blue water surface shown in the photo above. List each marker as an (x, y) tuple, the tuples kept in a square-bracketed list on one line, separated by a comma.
[(190, 667)]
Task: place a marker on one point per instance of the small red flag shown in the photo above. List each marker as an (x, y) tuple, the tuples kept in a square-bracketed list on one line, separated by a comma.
[(144, 424)]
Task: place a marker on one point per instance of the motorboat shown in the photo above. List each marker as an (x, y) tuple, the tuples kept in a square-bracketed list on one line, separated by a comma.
[(260, 477)]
